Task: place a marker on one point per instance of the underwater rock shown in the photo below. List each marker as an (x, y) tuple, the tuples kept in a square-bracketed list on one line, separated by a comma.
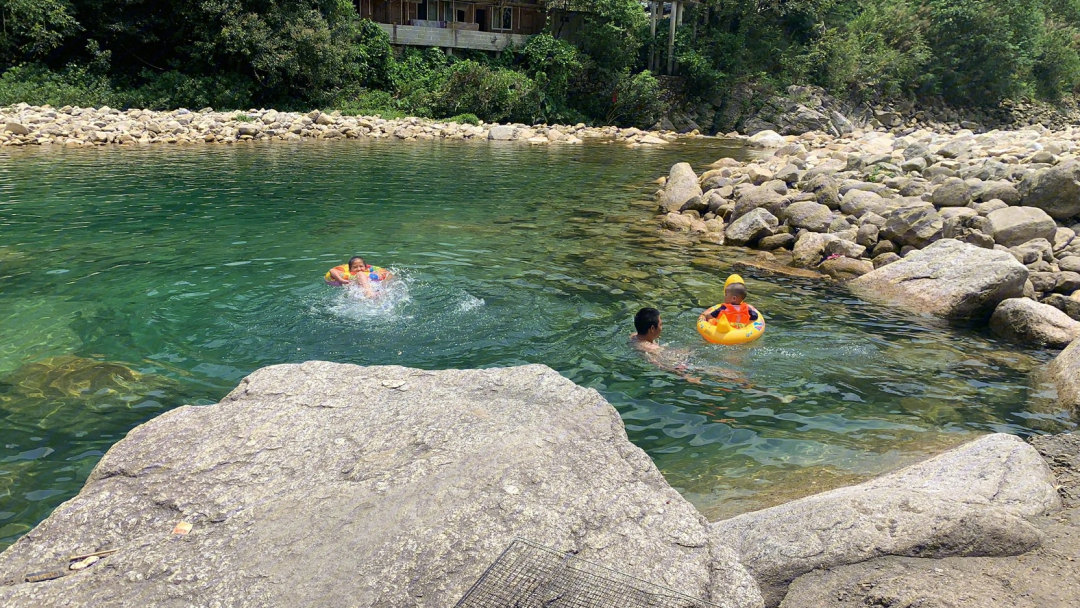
[(72, 393)]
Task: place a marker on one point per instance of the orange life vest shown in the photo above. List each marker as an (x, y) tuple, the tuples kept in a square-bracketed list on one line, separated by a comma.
[(738, 315)]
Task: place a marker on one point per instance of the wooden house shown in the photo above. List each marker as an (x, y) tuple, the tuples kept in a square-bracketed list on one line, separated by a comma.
[(488, 25)]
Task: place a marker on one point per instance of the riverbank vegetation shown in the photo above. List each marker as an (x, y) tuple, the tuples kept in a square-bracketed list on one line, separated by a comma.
[(317, 53)]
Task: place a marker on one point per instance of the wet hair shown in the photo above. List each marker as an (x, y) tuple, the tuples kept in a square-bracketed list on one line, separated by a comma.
[(356, 257), (646, 319), (736, 289)]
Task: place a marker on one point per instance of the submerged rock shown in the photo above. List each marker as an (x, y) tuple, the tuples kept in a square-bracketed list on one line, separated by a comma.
[(73, 393), (949, 279), (397, 489)]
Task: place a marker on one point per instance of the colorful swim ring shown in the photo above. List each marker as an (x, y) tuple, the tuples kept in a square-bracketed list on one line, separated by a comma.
[(723, 332), (375, 273)]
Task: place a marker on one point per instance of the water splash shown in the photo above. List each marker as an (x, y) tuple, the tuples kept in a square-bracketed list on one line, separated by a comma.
[(391, 298)]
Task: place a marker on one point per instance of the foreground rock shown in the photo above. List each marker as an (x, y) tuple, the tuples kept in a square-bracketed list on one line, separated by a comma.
[(1065, 373), (969, 501), (1031, 323), (397, 490), (1048, 577), (950, 279)]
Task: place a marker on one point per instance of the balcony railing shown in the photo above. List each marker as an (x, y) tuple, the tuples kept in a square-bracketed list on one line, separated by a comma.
[(450, 37)]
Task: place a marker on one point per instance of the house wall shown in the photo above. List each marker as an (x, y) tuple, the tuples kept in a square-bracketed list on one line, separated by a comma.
[(528, 17)]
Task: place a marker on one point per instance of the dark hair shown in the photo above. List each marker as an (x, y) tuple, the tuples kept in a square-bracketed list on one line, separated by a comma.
[(737, 289), (646, 319), (356, 257)]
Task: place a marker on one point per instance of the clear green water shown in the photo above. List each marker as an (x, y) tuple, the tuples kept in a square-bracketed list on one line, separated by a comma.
[(133, 281)]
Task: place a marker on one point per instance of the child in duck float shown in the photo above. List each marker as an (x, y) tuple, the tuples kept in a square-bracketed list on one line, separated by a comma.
[(718, 324), (738, 314), (359, 272)]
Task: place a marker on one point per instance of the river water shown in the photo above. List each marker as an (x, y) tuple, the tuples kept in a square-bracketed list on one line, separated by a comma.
[(133, 281)]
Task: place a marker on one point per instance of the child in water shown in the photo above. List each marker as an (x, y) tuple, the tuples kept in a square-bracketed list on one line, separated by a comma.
[(357, 271), (734, 310)]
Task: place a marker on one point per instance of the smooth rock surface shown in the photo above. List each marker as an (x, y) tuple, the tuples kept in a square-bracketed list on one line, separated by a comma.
[(682, 185), (949, 279), (1032, 323), (1055, 190), (969, 501), (1065, 373), (1013, 226), (397, 490)]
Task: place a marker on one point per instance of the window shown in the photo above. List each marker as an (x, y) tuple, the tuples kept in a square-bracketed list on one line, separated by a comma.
[(502, 18)]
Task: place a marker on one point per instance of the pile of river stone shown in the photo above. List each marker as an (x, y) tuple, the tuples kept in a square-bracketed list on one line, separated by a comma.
[(73, 126), (845, 206)]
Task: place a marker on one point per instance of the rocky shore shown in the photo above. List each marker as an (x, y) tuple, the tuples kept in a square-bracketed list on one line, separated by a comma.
[(88, 127), (401, 491), (965, 226)]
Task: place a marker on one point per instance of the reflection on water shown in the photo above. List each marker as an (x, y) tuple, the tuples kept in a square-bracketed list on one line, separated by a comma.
[(161, 277)]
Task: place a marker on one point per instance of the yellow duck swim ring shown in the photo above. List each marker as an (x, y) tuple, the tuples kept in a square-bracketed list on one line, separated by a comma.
[(722, 331)]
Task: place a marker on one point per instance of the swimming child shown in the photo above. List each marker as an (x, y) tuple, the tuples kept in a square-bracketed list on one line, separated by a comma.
[(357, 271), (736, 313)]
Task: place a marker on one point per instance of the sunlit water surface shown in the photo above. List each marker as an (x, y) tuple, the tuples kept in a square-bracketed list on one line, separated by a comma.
[(133, 281)]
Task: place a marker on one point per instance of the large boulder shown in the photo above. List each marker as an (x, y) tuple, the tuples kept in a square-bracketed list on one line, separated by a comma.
[(758, 197), (812, 216), (322, 484), (1055, 190), (953, 192), (968, 501), (1065, 372), (810, 248), (914, 225), (950, 279), (766, 139), (749, 228), (1013, 226), (1032, 323), (681, 186)]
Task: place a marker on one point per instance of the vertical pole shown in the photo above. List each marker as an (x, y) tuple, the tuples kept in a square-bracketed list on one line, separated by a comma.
[(671, 37), (652, 36)]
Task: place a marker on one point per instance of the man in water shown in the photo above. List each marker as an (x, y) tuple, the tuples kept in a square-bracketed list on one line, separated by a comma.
[(649, 325)]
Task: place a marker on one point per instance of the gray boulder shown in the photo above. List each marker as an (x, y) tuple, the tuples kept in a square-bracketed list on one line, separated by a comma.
[(677, 222), (825, 189), (844, 268), (1065, 304), (1033, 251), (766, 139), (681, 186), (913, 225), (1013, 226), (758, 197), (950, 279), (16, 128), (1031, 323), (859, 202), (954, 192), (779, 241), (827, 168), (812, 216), (969, 501), (997, 190), (810, 248), (1055, 190), (1065, 373), (398, 489), (502, 133), (1070, 263), (747, 229)]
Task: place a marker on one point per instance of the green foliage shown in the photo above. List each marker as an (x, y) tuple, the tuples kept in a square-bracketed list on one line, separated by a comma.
[(241, 117), (465, 119), (636, 101), (496, 94), (37, 85), (880, 52), (1057, 66), (33, 28), (173, 89)]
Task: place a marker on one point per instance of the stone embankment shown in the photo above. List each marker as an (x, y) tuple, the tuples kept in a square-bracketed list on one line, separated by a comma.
[(72, 126), (300, 490)]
